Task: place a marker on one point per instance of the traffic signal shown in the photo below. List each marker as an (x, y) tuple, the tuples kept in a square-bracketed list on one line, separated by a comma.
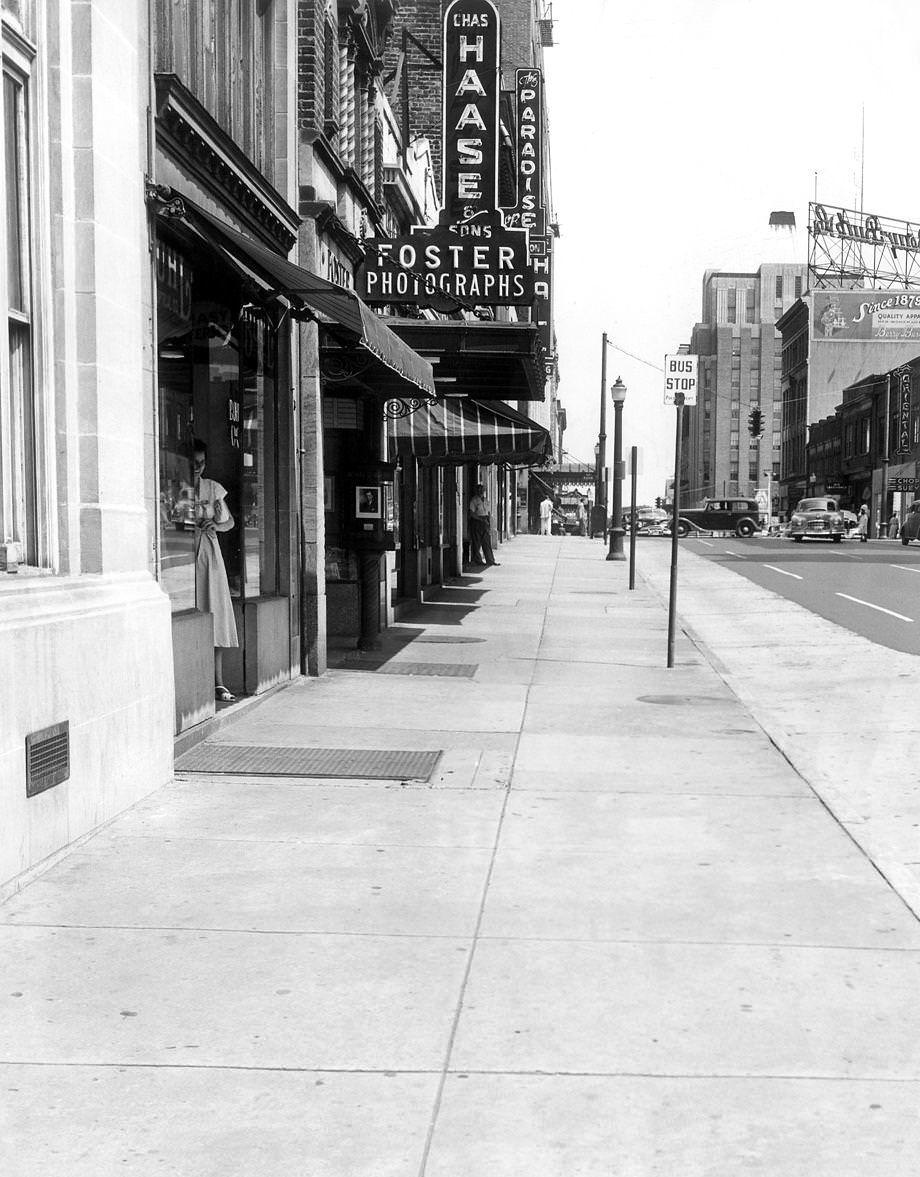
[(658, 502), (755, 422)]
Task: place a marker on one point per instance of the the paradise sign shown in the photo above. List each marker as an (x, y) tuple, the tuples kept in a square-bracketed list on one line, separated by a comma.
[(529, 212)]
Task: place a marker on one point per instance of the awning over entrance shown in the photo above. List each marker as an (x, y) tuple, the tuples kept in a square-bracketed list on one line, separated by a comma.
[(458, 430), (488, 361), (343, 311)]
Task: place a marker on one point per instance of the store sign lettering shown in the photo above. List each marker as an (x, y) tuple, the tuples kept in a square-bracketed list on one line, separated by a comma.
[(437, 267), (470, 108), (174, 282), (529, 212), (473, 257), (868, 228), (904, 413), (333, 268)]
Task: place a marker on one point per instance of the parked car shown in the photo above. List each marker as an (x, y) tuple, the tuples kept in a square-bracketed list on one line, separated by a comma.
[(742, 516), (649, 520), (910, 528), (817, 519)]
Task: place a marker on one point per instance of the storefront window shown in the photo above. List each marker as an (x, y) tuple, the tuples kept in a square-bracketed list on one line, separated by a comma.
[(217, 357)]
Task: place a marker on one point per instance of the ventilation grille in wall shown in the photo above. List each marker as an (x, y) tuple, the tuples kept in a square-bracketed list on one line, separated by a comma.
[(47, 758)]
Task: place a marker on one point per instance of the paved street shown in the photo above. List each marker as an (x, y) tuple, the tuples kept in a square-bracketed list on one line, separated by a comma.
[(872, 589), (617, 932)]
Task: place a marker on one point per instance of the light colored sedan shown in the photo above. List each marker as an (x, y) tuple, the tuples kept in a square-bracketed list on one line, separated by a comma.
[(817, 519)]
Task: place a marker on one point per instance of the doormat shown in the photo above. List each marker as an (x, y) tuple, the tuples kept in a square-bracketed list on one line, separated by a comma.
[(377, 764)]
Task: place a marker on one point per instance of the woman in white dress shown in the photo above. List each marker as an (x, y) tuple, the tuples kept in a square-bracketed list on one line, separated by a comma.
[(212, 591)]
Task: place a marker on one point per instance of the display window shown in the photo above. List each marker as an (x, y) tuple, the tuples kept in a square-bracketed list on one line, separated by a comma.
[(217, 364)]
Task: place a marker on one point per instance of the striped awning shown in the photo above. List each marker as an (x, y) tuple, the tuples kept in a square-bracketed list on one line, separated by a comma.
[(458, 430)]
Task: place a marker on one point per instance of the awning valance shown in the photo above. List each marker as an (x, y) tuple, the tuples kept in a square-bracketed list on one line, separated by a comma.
[(486, 361), (459, 430), (341, 308)]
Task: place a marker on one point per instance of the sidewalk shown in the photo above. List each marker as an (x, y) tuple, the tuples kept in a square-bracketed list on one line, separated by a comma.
[(615, 934)]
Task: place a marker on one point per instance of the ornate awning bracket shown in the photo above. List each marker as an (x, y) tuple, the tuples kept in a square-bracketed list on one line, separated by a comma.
[(164, 202), (398, 407)]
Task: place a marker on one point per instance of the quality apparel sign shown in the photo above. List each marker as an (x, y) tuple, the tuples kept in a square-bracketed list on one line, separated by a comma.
[(847, 316)]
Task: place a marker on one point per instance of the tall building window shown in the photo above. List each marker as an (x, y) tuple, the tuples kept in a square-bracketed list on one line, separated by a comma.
[(753, 471), (733, 473), (19, 456), (329, 62), (798, 286), (749, 306), (779, 288), (347, 105), (733, 440)]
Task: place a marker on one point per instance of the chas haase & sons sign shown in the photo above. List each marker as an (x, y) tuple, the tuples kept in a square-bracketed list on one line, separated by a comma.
[(471, 256)]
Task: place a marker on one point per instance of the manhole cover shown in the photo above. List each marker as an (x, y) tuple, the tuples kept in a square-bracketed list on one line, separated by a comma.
[(681, 700), (371, 763)]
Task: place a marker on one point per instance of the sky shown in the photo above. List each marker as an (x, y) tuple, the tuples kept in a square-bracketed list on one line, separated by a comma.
[(676, 127)]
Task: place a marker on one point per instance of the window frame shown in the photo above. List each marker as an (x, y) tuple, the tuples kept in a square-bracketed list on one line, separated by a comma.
[(28, 512)]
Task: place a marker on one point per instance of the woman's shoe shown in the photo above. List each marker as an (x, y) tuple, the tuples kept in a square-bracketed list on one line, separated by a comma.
[(222, 695)]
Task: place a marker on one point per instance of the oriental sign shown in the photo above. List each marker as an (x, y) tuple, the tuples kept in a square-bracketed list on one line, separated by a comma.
[(473, 257), (901, 394)]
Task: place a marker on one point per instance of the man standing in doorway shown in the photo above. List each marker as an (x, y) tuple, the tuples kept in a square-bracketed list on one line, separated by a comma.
[(546, 516), (480, 528)]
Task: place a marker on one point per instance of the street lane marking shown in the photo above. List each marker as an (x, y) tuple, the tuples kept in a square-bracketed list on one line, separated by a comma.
[(782, 571), (869, 605), (706, 542), (737, 555), (904, 568)]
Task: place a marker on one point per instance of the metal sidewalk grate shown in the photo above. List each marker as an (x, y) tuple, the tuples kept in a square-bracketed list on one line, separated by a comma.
[(447, 640), (432, 669), (371, 763)]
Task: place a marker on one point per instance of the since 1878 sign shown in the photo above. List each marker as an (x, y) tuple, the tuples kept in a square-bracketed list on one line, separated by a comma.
[(471, 257)]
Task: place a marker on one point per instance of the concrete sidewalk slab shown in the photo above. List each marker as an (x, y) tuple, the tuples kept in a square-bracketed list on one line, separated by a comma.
[(215, 1121), (690, 1009), (113, 996), (595, 1126)]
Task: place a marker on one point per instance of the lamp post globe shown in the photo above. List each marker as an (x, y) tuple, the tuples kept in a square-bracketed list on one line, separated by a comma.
[(617, 532)]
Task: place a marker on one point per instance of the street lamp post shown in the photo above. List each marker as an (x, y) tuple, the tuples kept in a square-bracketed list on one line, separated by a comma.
[(618, 395), (600, 497)]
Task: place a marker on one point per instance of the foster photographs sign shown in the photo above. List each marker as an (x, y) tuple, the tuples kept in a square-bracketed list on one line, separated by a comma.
[(482, 264)]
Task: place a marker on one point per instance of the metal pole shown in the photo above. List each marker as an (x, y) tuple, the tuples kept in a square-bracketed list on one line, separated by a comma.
[(616, 532), (886, 459), (601, 497), (634, 459), (672, 600)]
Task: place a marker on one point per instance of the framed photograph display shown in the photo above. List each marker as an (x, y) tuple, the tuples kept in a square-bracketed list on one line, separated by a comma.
[(367, 502)]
